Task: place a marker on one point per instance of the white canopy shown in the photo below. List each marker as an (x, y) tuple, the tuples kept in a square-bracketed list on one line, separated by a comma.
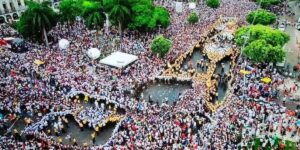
[(93, 53), (63, 44), (119, 59)]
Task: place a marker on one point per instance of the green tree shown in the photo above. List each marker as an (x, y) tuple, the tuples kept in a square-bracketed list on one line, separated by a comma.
[(213, 3), (146, 16), (93, 14), (95, 21), (193, 18), (262, 43), (261, 51), (255, 32), (118, 11), (161, 45), (36, 21), (261, 16), (68, 10), (141, 14), (267, 3), (161, 17)]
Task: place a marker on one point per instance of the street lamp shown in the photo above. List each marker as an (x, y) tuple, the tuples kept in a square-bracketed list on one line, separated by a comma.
[(246, 37)]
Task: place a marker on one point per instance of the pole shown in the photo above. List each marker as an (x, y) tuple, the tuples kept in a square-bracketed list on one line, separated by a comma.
[(159, 29)]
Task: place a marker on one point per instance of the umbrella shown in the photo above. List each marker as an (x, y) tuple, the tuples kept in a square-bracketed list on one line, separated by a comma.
[(266, 80), (298, 122), (114, 78), (63, 44), (93, 53), (3, 43), (208, 83), (38, 62), (18, 41), (290, 112), (245, 72)]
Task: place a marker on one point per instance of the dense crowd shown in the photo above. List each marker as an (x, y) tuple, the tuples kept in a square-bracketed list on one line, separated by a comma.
[(39, 90)]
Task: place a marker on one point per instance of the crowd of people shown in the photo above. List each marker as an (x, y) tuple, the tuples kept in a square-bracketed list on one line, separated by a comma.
[(41, 90), (92, 116)]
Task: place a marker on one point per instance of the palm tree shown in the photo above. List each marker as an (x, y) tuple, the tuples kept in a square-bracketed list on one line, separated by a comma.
[(93, 15), (118, 11), (95, 20), (42, 18), (68, 10)]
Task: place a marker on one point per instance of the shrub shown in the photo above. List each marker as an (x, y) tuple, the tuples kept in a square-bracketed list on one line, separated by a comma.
[(193, 18), (161, 45), (213, 3), (261, 16)]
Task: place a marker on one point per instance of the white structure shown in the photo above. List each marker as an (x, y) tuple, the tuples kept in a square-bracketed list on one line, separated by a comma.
[(63, 44), (94, 53), (179, 7), (119, 59), (11, 9)]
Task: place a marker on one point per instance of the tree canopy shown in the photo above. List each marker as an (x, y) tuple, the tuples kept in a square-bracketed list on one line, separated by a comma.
[(36, 21), (213, 3), (261, 16), (118, 10), (145, 15), (161, 45), (267, 3), (261, 51), (264, 44), (193, 18), (135, 14), (91, 12), (68, 10), (272, 36), (161, 17)]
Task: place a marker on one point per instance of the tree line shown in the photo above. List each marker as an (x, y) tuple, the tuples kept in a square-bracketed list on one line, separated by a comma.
[(142, 15)]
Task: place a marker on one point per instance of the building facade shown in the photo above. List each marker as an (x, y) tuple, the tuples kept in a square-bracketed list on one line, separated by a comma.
[(11, 10)]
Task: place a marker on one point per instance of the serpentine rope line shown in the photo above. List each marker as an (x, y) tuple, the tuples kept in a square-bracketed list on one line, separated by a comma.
[(244, 44)]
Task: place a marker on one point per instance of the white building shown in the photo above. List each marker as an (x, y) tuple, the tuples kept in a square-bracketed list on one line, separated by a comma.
[(12, 9)]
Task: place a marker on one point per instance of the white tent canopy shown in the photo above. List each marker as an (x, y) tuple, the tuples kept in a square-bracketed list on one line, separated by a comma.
[(63, 44), (94, 53), (119, 59)]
